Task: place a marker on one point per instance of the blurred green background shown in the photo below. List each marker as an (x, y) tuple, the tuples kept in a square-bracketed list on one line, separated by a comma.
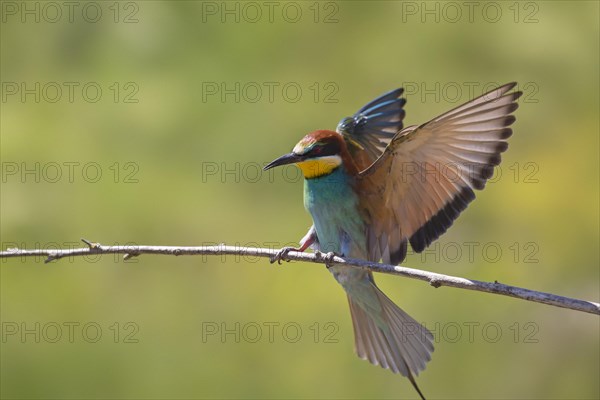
[(168, 152)]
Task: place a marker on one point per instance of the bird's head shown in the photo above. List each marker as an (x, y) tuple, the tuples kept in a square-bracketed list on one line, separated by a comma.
[(319, 153)]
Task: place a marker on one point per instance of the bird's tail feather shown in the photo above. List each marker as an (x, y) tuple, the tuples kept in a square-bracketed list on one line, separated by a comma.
[(397, 342)]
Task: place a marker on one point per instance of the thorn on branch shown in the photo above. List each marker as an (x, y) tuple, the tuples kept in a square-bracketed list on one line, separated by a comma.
[(91, 245), (51, 257), (129, 256)]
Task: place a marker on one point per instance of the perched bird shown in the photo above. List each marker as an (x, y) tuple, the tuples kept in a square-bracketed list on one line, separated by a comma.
[(373, 186)]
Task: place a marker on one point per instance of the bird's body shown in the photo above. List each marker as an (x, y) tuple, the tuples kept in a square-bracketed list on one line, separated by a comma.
[(372, 187), (334, 207), (331, 199)]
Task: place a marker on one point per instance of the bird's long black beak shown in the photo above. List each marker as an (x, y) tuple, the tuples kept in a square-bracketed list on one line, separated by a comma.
[(283, 160)]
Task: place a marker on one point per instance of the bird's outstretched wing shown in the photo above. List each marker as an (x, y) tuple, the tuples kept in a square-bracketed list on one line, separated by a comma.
[(369, 131), (426, 175)]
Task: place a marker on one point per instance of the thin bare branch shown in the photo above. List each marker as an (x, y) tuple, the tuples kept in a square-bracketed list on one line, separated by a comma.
[(434, 279)]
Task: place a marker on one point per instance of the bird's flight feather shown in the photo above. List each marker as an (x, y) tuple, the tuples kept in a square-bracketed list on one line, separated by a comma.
[(370, 129), (426, 175)]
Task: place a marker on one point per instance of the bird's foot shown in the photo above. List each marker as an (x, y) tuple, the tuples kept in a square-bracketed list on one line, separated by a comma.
[(327, 257), (282, 254)]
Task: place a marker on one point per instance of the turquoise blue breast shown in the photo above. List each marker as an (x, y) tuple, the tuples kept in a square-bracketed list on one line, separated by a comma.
[(333, 205)]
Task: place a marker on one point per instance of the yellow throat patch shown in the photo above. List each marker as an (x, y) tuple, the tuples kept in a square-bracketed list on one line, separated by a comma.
[(317, 167)]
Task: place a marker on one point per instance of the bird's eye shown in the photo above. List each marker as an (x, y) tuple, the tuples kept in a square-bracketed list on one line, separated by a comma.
[(317, 150)]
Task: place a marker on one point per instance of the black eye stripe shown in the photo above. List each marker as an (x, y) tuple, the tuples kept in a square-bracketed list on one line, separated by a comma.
[(323, 149)]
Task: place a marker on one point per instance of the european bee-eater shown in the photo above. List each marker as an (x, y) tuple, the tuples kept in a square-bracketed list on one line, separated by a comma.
[(373, 186)]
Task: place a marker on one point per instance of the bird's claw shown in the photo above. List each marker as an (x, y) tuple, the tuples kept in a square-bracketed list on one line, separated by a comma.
[(327, 257), (281, 255)]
